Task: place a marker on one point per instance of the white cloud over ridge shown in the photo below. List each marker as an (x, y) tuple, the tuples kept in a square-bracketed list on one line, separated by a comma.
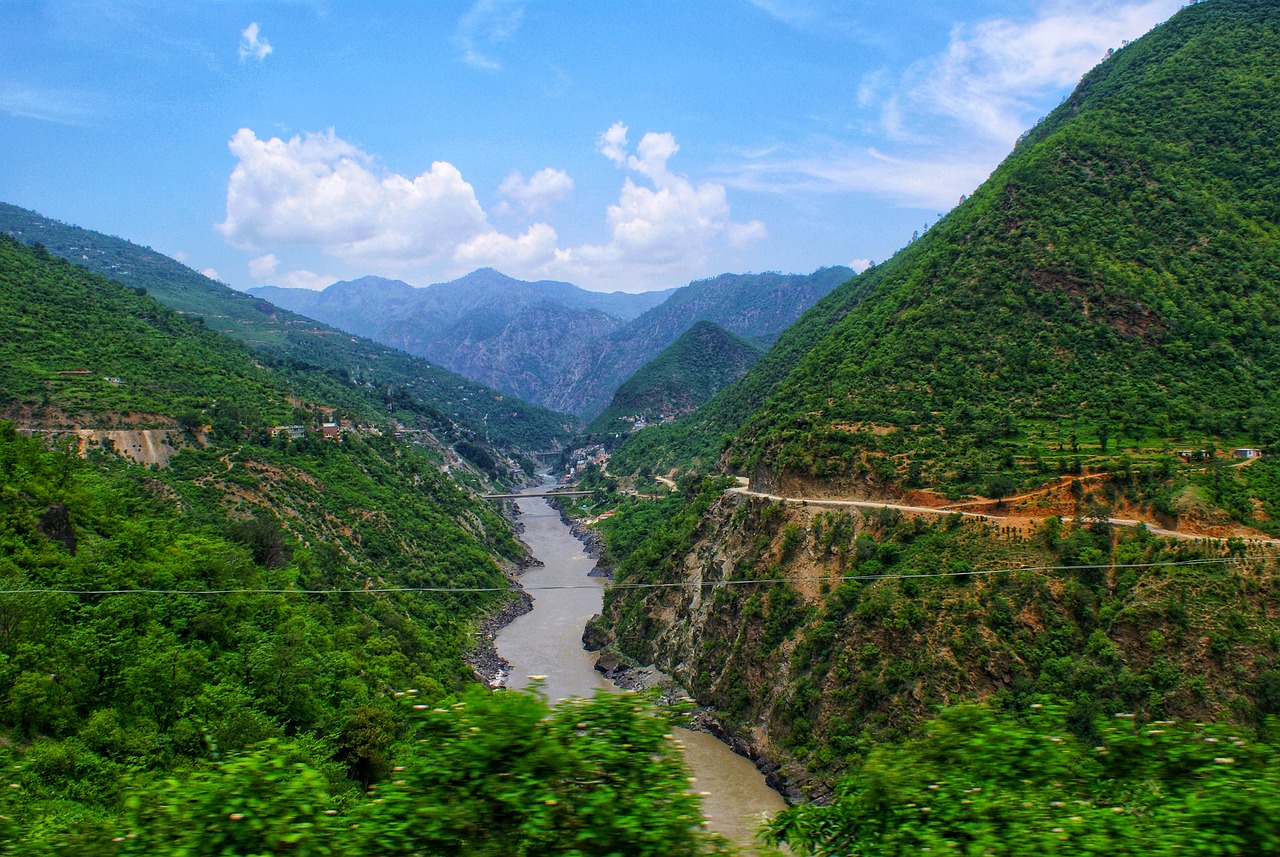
[(319, 191), (541, 190), (939, 127), (252, 46)]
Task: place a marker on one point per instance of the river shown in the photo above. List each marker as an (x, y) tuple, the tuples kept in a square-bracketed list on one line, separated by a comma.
[(548, 642)]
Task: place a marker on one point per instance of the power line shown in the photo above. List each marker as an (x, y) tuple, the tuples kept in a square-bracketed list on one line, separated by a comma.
[(467, 590)]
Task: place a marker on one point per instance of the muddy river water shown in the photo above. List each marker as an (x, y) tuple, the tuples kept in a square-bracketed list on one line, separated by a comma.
[(548, 642)]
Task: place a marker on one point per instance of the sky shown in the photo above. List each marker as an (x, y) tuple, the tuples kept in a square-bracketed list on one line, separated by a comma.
[(615, 145)]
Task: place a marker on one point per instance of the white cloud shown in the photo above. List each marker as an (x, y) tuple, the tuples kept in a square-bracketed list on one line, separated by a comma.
[(487, 22), (942, 125), (544, 188), (211, 273), (60, 106), (657, 234), (923, 178), (304, 279), (536, 248), (993, 72), (319, 190), (860, 265), (262, 267), (252, 46)]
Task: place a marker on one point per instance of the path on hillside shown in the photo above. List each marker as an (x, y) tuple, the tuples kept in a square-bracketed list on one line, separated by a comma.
[(744, 488)]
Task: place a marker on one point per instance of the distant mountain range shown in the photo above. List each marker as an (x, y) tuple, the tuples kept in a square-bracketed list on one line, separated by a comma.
[(550, 342)]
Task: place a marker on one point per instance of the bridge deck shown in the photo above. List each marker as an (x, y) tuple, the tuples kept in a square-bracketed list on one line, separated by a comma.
[(543, 494)]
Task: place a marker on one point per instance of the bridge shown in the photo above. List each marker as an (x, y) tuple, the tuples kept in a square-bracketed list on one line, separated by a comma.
[(542, 494)]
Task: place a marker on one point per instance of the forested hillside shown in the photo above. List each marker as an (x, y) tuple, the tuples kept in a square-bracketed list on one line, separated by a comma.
[(424, 395), (1113, 285), (1011, 457), (269, 625), (704, 360)]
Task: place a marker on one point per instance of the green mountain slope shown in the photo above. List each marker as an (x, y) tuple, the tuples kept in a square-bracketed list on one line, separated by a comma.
[(1114, 282), (84, 345), (1108, 299), (424, 395), (101, 685), (704, 360), (695, 443), (755, 306)]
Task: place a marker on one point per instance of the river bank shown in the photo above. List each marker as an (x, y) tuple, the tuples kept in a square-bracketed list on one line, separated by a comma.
[(548, 642), (795, 787)]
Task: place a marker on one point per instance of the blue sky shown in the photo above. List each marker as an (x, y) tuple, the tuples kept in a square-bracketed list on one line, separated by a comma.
[(616, 145)]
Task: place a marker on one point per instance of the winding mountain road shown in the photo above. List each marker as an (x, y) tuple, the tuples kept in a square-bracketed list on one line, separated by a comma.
[(744, 488)]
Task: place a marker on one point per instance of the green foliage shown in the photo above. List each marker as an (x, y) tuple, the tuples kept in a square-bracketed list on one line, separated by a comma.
[(56, 319), (702, 362), (154, 683), (695, 442), (311, 359), (978, 782), (491, 774), (505, 774), (834, 666)]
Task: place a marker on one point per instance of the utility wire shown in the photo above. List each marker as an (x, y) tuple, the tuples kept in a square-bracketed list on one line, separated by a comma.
[(464, 590)]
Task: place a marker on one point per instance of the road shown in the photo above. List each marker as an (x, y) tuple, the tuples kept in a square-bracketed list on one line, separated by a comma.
[(744, 487)]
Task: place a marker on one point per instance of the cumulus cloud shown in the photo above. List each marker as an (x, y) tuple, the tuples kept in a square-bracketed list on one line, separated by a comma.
[(319, 190), (262, 267), (657, 233), (211, 273), (252, 45), (540, 191), (487, 23), (304, 279)]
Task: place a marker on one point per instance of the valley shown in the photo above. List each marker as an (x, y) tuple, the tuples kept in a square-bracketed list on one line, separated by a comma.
[(974, 549)]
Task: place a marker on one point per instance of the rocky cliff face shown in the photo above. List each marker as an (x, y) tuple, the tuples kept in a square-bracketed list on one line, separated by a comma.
[(813, 633)]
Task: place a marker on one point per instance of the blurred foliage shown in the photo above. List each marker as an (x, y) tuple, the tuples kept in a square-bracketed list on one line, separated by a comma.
[(490, 773), (975, 781)]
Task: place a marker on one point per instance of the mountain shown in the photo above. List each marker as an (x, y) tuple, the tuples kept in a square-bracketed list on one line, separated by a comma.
[(510, 334), (1009, 458), (152, 681), (353, 305), (424, 395), (548, 342), (755, 306), (704, 360), (1113, 284)]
